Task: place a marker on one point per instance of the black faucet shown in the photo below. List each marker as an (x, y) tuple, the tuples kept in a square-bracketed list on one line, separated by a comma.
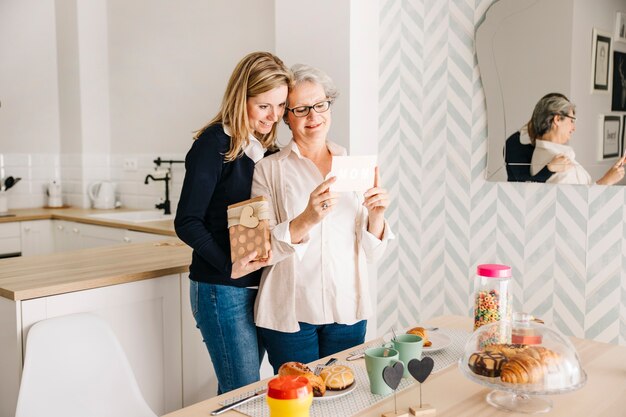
[(165, 204)]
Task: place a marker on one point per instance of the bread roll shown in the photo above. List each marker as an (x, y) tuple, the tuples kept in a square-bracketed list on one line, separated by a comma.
[(337, 377), (421, 332), (300, 369)]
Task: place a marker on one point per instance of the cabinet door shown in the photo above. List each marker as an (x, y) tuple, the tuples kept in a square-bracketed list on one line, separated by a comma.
[(145, 317), (92, 236), (37, 237), (10, 244), (132, 236), (66, 235)]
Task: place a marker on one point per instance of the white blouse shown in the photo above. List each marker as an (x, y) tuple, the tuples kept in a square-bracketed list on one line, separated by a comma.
[(323, 279), (543, 154)]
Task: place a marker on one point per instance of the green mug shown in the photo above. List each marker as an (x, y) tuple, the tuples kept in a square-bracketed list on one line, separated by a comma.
[(409, 346), (376, 359)]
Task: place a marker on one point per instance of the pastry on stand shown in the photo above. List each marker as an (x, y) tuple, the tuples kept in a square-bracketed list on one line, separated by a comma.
[(529, 362)]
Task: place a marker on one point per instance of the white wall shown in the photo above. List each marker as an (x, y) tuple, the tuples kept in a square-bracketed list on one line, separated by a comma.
[(170, 62), (29, 116), (87, 85)]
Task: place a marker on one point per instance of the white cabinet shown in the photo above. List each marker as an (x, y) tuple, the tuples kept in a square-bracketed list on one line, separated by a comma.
[(66, 235), (145, 316), (91, 236), (73, 235), (10, 244), (37, 237)]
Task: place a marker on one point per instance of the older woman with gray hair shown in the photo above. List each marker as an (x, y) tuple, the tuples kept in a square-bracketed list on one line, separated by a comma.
[(314, 300), (550, 129)]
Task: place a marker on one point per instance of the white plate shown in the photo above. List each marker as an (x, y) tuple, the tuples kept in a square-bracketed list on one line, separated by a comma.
[(440, 341), (331, 395)]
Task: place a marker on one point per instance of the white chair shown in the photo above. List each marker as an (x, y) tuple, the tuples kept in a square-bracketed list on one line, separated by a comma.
[(75, 367)]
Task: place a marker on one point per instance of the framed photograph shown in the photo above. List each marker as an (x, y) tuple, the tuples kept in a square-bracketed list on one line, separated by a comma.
[(620, 27), (600, 61), (618, 99), (623, 136), (609, 146)]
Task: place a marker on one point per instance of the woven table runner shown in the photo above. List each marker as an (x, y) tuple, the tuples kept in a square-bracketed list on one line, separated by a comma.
[(361, 397)]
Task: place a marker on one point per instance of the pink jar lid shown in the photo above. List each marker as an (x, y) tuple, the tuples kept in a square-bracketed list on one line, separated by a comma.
[(494, 271)]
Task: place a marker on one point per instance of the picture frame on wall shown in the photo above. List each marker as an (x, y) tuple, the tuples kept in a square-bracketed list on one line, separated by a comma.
[(618, 95), (609, 146), (620, 27), (623, 142), (600, 61)]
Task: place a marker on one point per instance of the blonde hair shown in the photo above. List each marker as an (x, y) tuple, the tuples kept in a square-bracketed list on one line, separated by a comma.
[(255, 74)]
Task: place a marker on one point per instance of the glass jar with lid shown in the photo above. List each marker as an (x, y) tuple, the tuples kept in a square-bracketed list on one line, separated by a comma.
[(492, 295)]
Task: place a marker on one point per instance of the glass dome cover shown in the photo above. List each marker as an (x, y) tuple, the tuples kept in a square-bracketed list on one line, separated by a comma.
[(522, 356)]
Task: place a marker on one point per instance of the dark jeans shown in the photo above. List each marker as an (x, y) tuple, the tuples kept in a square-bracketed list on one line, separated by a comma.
[(225, 317), (311, 342)]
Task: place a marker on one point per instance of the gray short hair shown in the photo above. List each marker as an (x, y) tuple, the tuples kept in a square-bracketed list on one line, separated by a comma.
[(305, 73), (547, 107)]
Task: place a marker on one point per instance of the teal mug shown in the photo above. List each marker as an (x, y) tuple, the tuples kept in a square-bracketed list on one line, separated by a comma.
[(376, 359), (409, 346)]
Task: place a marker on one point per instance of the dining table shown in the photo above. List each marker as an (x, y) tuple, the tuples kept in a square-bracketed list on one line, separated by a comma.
[(451, 393)]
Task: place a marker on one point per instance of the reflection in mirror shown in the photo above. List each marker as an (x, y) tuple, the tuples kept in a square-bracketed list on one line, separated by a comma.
[(528, 48)]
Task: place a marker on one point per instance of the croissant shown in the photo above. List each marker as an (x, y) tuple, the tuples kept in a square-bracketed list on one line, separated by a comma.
[(550, 360), (421, 332), (300, 369), (522, 369)]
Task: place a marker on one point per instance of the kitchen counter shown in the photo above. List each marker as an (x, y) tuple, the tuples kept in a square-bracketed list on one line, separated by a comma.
[(163, 227), (24, 278), (454, 395), (30, 277)]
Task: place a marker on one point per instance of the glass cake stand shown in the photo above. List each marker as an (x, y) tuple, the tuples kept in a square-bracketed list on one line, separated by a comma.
[(535, 360)]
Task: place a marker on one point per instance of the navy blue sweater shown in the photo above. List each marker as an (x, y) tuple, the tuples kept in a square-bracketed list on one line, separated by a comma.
[(210, 185)]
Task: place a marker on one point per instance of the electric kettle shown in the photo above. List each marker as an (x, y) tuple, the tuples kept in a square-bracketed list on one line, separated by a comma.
[(102, 194), (55, 195)]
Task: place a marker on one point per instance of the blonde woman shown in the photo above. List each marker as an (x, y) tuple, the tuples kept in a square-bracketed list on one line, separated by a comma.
[(219, 169)]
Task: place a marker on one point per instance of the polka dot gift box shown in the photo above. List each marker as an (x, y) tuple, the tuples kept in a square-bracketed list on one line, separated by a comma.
[(248, 228)]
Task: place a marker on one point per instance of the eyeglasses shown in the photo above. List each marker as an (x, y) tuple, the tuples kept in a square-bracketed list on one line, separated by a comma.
[(302, 111), (570, 117)]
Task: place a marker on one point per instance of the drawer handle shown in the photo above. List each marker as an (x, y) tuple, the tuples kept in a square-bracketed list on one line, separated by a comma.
[(75, 230), (126, 239)]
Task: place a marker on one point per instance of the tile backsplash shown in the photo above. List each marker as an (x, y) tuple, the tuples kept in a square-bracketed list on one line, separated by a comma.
[(76, 172)]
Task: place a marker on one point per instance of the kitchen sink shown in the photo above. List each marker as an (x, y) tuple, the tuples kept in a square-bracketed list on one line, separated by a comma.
[(134, 216)]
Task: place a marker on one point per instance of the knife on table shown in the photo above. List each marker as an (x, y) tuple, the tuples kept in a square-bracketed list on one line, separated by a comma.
[(239, 402)]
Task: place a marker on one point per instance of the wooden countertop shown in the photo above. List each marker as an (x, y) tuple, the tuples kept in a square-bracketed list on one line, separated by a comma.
[(29, 277), (453, 395), (163, 227)]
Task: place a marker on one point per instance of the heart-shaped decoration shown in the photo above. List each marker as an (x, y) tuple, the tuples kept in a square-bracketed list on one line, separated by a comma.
[(421, 369), (392, 374), (248, 218)]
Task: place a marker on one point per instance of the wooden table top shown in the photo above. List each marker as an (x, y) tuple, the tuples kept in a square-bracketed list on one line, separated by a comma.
[(454, 395)]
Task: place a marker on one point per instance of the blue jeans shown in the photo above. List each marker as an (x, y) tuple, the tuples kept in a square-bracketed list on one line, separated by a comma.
[(311, 342), (225, 317)]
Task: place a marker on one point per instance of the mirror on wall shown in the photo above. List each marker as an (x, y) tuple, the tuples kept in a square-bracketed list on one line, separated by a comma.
[(528, 48)]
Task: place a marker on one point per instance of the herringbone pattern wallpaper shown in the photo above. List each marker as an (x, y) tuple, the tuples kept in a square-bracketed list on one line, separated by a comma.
[(566, 244)]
